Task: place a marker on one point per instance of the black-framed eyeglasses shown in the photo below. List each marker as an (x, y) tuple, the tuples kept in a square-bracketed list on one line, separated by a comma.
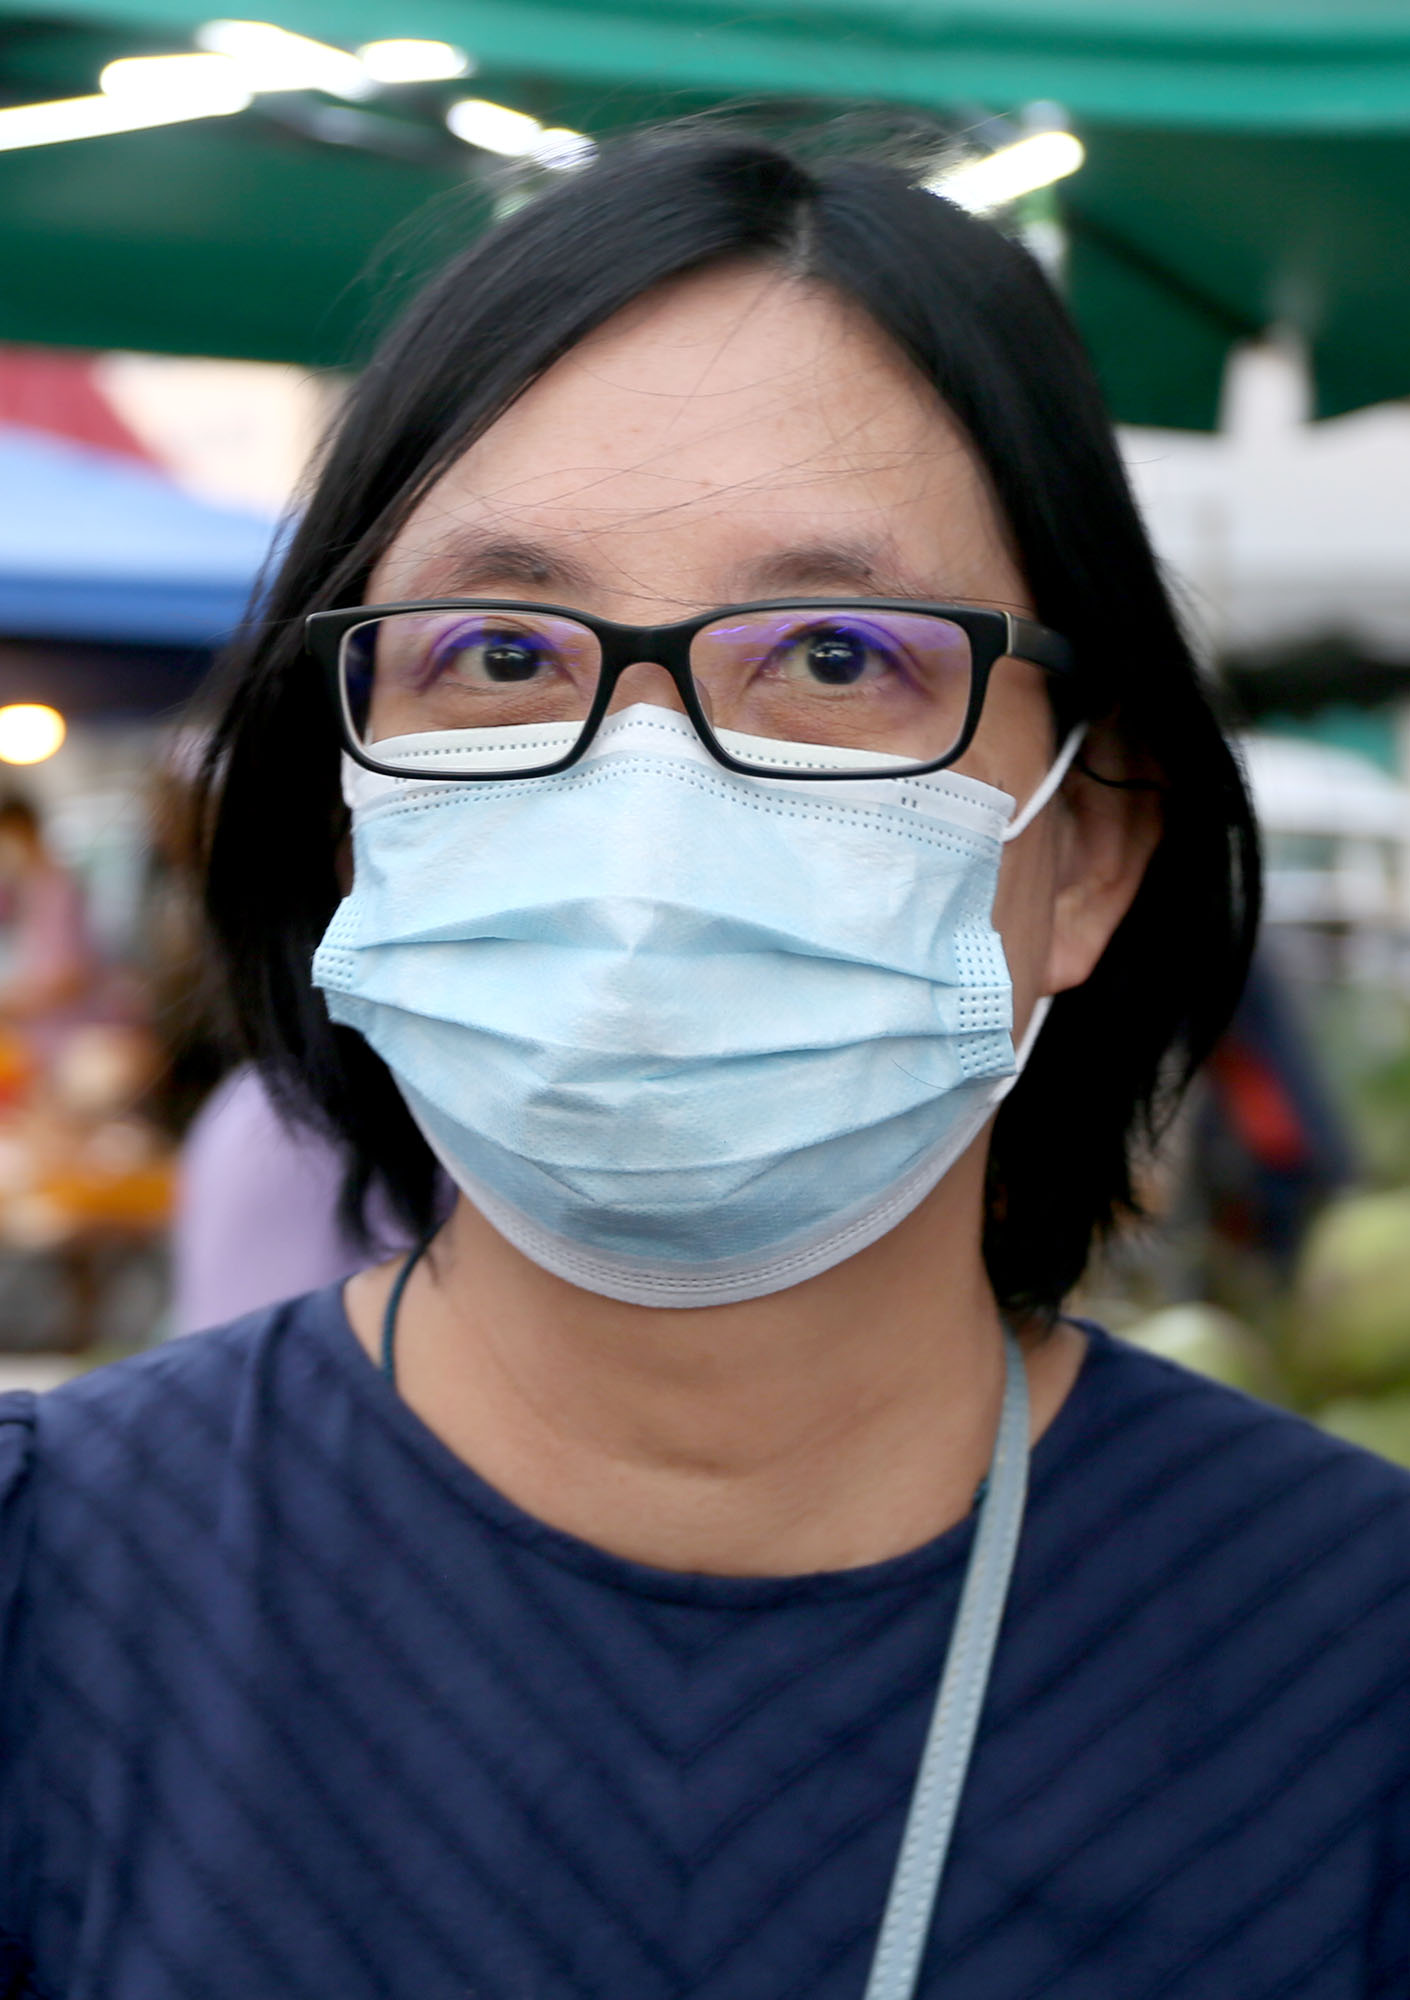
[(491, 688)]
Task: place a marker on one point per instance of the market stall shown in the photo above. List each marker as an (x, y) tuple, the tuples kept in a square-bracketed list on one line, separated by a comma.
[(116, 584)]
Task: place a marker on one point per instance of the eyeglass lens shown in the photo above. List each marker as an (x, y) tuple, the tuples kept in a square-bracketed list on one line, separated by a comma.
[(509, 690)]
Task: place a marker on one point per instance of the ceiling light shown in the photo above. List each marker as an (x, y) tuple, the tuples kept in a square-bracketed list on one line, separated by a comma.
[(30, 732), (134, 104), (1030, 163), (494, 126), (63, 118), (183, 86), (238, 59), (401, 61), (272, 58)]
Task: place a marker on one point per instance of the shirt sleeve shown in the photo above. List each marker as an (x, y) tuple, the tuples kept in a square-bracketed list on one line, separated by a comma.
[(16, 1452)]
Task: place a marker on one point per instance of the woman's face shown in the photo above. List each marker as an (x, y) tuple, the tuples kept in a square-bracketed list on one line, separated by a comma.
[(741, 434)]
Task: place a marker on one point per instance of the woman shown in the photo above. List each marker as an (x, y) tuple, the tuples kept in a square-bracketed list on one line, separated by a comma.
[(754, 704)]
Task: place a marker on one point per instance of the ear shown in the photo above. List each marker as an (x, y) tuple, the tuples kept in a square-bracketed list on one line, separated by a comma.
[(1106, 835)]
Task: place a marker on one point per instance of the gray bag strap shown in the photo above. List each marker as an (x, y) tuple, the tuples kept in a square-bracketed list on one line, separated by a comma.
[(905, 1926)]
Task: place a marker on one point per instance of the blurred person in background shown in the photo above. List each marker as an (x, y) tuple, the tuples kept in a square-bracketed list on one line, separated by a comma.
[(770, 846), (257, 1213), (1269, 1146), (47, 962), (258, 1210)]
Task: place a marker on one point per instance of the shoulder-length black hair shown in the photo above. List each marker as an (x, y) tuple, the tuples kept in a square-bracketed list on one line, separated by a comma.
[(976, 315)]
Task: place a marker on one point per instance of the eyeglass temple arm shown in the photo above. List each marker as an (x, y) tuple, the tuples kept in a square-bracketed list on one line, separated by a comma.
[(1036, 644)]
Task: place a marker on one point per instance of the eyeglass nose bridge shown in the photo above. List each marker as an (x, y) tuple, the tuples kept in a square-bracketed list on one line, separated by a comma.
[(665, 647)]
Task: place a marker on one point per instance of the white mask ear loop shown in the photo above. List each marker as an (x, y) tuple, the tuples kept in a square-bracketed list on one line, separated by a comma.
[(1062, 764), (1024, 1048), (1031, 1033)]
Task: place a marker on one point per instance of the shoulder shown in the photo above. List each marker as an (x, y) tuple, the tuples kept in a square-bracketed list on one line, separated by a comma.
[(85, 1466), (125, 1439), (1220, 1494), (1177, 1430), (1143, 1395)]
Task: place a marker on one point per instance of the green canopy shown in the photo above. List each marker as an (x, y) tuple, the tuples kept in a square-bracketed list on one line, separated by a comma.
[(1248, 165)]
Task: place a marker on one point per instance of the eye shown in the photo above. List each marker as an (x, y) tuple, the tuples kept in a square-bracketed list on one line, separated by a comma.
[(492, 656), (834, 656)]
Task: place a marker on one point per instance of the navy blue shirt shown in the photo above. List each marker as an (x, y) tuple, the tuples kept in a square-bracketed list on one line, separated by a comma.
[(294, 1707)]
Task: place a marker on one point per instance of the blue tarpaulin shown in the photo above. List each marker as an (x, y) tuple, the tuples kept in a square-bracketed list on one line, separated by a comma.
[(96, 546)]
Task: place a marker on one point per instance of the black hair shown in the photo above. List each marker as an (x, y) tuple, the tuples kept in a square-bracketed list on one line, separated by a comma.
[(973, 311)]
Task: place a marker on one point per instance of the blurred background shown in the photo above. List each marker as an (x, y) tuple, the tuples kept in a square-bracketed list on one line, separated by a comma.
[(204, 225)]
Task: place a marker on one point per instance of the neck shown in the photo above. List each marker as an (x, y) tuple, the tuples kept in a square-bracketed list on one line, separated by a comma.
[(837, 1423)]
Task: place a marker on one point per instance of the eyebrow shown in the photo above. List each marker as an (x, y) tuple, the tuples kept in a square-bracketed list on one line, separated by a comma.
[(472, 561), (859, 568), (469, 562)]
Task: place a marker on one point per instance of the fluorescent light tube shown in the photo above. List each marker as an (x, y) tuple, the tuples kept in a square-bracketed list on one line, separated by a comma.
[(1034, 162), (405, 61), (274, 59)]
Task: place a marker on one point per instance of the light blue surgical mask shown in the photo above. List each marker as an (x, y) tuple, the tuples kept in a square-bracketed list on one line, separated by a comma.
[(682, 1036)]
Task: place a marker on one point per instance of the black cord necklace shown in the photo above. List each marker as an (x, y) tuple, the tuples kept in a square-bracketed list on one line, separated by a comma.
[(393, 1307)]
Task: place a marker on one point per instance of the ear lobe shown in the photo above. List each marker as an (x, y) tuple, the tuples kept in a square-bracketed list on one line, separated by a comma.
[(1108, 834)]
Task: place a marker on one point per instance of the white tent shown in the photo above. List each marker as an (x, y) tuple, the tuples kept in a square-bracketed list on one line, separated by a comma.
[(1278, 530), (1336, 832)]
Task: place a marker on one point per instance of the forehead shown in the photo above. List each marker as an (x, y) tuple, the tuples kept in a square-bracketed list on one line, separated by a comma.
[(735, 418)]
